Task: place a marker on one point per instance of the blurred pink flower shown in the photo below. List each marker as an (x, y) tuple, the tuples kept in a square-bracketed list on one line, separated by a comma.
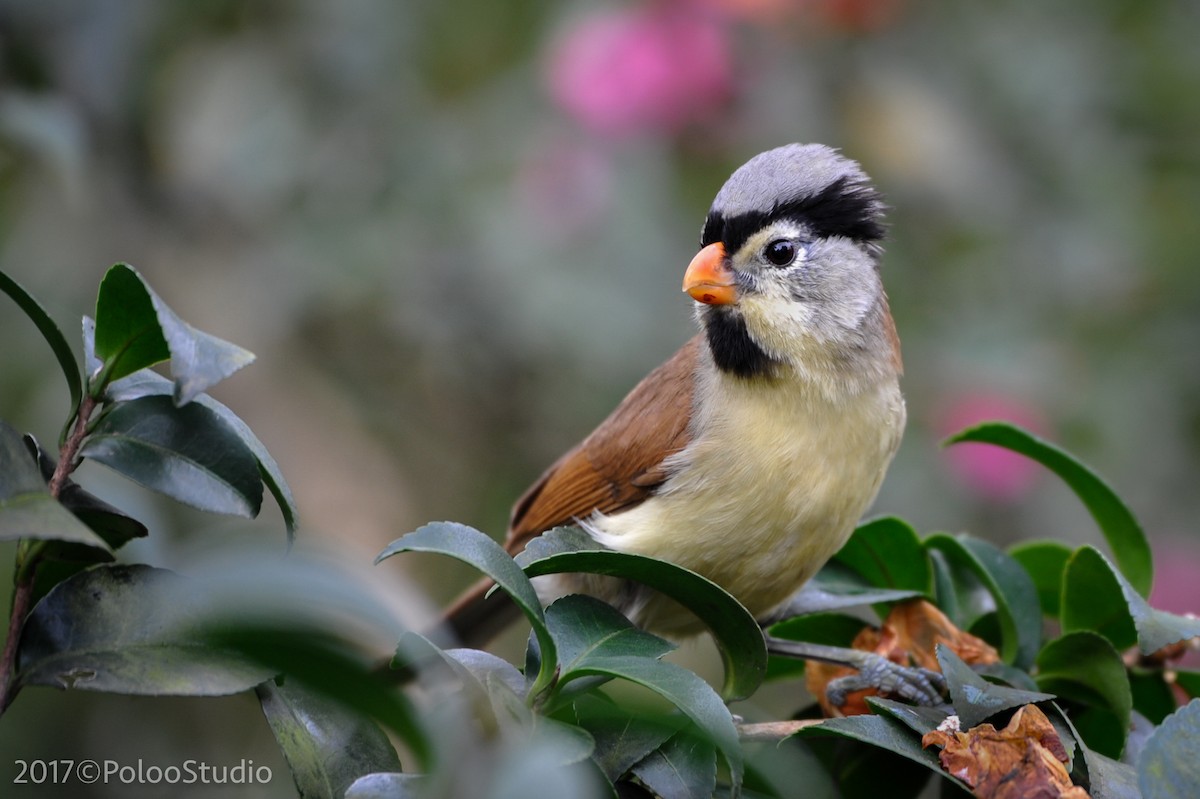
[(657, 69), (1177, 581), (997, 474)]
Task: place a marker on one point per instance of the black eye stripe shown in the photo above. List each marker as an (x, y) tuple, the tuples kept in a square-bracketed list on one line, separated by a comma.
[(853, 210)]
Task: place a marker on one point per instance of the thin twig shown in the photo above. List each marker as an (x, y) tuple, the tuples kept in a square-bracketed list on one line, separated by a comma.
[(22, 597), (773, 731)]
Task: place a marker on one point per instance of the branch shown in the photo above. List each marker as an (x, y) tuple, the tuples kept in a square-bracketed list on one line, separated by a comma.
[(773, 731)]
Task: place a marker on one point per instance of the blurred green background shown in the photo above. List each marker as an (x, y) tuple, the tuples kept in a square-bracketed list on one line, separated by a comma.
[(454, 233)]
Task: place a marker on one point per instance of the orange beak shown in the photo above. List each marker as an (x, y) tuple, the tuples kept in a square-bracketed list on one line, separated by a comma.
[(709, 279)]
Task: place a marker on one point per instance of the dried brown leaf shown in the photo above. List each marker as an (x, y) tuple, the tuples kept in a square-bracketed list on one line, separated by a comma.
[(1025, 760)]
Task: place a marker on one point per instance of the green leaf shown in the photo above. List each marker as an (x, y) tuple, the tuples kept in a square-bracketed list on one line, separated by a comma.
[(623, 736), (1083, 667), (1117, 523), (685, 766), (584, 628), (920, 718), (188, 453), (118, 629), (975, 699), (136, 329), (473, 547), (1103, 777), (888, 553), (128, 334), (885, 733), (1153, 696), (835, 588), (737, 634), (327, 747), (686, 691), (147, 384), (1169, 768), (1091, 599), (26, 508), (50, 332), (1098, 597), (1011, 589), (1045, 561)]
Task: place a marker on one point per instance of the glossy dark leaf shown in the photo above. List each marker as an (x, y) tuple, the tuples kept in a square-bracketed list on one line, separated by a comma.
[(1045, 561), (188, 453), (919, 718), (686, 691), (473, 547), (50, 332), (26, 508), (888, 553), (737, 634), (1169, 767), (685, 766), (117, 629), (1088, 572), (136, 329), (1117, 523), (975, 699), (585, 628), (830, 590), (146, 383), (327, 746), (623, 736), (883, 732), (1083, 667), (1011, 588)]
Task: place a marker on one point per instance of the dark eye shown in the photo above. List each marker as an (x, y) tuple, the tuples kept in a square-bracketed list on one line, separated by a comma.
[(780, 252)]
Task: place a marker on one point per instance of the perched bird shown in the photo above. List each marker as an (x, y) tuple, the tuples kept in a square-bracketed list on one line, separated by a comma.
[(750, 455)]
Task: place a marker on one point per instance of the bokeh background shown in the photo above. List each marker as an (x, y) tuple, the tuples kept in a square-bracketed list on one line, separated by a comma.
[(454, 232)]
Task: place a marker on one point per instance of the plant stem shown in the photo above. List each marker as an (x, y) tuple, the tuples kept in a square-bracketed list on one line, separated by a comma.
[(25, 568), (22, 596), (773, 731)]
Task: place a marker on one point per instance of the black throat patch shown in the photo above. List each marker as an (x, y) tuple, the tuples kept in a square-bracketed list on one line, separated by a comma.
[(733, 350)]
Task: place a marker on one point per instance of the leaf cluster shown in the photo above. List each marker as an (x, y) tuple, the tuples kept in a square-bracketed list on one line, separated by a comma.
[(595, 707)]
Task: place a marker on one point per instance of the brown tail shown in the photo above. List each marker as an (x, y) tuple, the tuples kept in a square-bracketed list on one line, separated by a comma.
[(476, 618)]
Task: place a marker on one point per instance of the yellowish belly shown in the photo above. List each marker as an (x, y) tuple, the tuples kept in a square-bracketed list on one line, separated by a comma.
[(758, 503)]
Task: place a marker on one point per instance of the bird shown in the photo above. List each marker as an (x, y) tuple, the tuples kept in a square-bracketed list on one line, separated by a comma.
[(751, 454)]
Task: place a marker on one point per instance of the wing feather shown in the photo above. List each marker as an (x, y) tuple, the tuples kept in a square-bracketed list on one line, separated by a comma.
[(621, 463)]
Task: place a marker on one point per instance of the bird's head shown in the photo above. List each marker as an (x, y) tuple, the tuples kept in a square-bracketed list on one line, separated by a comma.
[(788, 274)]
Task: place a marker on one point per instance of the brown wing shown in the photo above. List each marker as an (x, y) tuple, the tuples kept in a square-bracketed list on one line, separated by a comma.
[(620, 463), (616, 467)]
